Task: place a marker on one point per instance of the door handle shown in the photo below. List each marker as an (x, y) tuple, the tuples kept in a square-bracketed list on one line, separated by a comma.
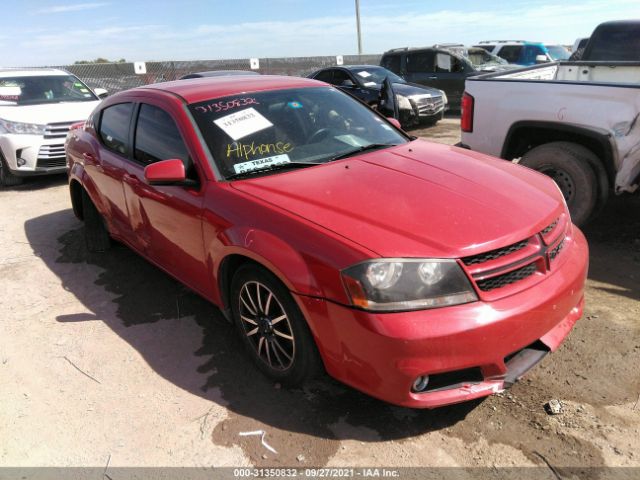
[(432, 78), (130, 180)]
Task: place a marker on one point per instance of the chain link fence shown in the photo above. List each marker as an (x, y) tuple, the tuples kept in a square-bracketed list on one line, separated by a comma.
[(121, 76)]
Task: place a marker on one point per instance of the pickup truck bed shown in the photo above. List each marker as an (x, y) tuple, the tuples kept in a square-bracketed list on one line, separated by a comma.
[(575, 121)]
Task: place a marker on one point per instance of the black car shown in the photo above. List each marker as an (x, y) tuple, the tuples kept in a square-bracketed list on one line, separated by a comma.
[(442, 66), (416, 103)]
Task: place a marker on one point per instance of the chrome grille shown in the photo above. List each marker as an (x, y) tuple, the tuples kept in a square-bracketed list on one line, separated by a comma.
[(428, 105), (58, 130), (50, 156)]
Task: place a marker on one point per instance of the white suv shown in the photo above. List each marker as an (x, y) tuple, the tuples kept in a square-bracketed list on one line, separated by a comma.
[(37, 107)]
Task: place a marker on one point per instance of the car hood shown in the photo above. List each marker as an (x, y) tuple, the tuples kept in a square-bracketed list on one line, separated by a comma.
[(417, 200), (409, 89), (48, 113)]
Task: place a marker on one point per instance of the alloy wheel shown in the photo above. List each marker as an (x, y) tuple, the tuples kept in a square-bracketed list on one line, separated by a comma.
[(267, 326)]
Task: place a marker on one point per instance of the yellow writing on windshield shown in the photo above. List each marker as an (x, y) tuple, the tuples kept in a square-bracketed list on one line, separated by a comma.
[(248, 150)]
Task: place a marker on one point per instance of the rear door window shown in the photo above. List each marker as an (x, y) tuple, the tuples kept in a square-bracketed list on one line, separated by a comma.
[(114, 127), (392, 62), (420, 62), (446, 63)]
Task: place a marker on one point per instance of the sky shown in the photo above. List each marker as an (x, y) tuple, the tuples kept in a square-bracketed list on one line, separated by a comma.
[(59, 32)]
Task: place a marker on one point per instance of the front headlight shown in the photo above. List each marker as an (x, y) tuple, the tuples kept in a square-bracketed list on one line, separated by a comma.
[(407, 284), (20, 128), (444, 97), (403, 103)]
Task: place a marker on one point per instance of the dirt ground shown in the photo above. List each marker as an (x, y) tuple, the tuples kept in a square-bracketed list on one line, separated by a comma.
[(106, 360)]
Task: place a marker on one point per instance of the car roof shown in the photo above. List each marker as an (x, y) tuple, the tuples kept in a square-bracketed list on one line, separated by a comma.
[(218, 73), (200, 89), (30, 72)]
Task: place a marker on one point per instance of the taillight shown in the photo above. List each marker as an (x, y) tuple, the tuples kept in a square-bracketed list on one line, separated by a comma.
[(466, 122), (77, 126)]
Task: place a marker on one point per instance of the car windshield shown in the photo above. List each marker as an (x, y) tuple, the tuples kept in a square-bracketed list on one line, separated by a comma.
[(558, 52), (263, 132), (480, 57), (34, 90), (371, 75)]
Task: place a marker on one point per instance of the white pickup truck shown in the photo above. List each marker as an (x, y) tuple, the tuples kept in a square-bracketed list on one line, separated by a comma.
[(577, 122), (37, 107)]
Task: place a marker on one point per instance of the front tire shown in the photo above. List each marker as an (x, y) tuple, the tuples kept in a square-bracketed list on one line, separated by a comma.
[(570, 168), (272, 327), (8, 179)]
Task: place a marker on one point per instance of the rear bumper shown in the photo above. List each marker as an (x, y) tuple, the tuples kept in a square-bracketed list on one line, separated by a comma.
[(383, 354)]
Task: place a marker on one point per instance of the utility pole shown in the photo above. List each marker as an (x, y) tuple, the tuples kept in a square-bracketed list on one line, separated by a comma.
[(358, 26)]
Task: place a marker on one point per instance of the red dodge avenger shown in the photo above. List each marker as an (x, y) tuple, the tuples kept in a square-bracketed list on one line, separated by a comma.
[(421, 274)]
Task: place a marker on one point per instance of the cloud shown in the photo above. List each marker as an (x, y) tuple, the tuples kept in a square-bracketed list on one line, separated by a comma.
[(329, 35), (71, 8)]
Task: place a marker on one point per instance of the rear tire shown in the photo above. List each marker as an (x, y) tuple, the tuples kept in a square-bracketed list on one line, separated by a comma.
[(568, 164), (95, 231), (272, 327), (8, 179)]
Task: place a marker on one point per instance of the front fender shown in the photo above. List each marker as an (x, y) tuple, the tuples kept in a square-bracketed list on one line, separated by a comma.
[(272, 252)]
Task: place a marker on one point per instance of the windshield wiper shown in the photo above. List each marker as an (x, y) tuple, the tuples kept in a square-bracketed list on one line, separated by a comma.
[(364, 148), (280, 166)]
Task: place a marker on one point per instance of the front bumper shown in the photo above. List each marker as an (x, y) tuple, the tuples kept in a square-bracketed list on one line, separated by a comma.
[(383, 353), (30, 155)]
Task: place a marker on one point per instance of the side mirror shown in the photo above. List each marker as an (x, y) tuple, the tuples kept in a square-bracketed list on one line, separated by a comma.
[(101, 92), (165, 172), (347, 83), (395, 122), (541, 59)]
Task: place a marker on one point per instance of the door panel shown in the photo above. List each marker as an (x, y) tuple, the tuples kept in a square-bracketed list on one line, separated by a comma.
[(166, 220)]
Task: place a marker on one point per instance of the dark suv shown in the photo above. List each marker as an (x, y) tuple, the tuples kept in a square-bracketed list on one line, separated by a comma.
[(442, 66)]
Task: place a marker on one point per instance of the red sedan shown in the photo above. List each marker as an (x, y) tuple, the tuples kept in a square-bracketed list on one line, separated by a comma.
[(421, 274)]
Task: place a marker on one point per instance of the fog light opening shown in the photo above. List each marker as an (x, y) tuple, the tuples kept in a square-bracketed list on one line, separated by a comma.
[(420, 383), (21, 162)]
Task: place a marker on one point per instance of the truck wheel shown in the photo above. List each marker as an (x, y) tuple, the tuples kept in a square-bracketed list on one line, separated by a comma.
[(96, 234), (272, 327), (569, 166), (8, 179)]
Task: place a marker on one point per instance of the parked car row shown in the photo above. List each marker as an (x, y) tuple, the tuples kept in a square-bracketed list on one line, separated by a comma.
[(520, 52)]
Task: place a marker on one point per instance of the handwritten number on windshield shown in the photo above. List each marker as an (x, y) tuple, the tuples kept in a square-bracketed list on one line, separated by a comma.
[(228, 105)]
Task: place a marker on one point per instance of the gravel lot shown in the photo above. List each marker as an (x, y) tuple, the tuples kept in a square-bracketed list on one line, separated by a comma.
[(103, 358)]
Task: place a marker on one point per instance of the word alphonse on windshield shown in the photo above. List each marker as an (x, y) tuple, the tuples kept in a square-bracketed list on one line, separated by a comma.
[(248, 150)]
